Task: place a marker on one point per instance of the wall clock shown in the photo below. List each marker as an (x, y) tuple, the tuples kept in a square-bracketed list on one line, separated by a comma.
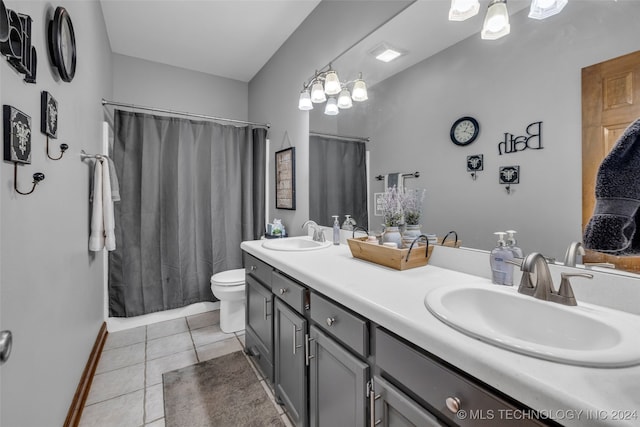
[(62, 44), (464, 131)]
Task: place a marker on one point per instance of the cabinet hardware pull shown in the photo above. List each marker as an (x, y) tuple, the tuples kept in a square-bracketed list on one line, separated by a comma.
[(295, 338), (453, 404), (266, 308), (307, 348), (330, 321), (253, 268), (372, 404), (283, 291)]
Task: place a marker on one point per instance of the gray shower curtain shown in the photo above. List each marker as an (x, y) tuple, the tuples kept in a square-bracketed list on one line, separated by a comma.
[(191, 191), (337, 180)]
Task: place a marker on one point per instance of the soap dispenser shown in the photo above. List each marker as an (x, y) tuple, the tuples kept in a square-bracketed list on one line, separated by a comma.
[(501, 269), (348, 223), (511, 244), (336, 230)]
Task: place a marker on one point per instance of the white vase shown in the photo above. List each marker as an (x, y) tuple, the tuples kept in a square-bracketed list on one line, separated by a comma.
[(410, 233), (392, 234)]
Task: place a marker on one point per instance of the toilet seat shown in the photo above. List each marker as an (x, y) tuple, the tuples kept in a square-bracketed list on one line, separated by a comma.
[(228, 278)]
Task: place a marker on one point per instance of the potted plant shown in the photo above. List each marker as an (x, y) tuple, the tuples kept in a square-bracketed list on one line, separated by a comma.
[(392, 215), (412, 201)]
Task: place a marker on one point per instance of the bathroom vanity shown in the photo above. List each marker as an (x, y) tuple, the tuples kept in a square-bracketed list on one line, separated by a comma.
[(350, 343)]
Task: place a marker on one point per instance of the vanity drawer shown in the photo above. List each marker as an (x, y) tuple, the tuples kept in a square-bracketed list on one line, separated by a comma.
[(439, 387), (258, 269), (288, 291), (349, 328)]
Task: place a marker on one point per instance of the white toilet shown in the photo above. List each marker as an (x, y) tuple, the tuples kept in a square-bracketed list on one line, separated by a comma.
[(228, 287)]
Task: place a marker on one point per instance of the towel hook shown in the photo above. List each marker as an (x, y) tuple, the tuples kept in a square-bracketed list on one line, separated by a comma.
[(37, 177), (63, 148)]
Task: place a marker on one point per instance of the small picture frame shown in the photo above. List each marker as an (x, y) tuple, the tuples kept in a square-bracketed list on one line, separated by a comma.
[(475, 163), (378, 201), (48, 114), (286, 179), (509, 174), (17, 135)]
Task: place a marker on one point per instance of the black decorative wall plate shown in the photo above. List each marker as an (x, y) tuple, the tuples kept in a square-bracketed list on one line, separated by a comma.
[(475, 163), (49, 115), (17, 135), (509, 174)]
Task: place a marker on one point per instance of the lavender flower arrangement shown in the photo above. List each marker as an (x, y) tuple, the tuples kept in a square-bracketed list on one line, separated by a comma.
[(392, 207), (412, 205)]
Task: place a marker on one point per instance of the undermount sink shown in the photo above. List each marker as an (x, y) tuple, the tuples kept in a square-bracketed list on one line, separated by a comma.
[(584, 335), (295, 244)]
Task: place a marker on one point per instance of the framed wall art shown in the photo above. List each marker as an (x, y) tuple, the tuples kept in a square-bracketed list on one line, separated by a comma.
[(17, 135), (48, 115), (286, 179)]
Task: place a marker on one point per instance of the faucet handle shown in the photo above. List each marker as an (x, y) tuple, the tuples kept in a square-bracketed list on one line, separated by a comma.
[(565, 292)]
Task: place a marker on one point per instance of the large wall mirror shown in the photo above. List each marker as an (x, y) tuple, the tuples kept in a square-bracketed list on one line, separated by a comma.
[(531, 75)]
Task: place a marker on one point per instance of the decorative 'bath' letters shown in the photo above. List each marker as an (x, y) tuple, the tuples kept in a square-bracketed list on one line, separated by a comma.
[(532, 140), (17, 46)]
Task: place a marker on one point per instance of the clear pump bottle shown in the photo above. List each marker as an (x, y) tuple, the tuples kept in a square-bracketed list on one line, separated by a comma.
[(512, 244), (501, 270), (336, 230)]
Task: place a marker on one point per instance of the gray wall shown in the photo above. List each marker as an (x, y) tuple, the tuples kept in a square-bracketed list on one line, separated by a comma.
[(533, 74), (274, 91), (51, 286), (142, 82)]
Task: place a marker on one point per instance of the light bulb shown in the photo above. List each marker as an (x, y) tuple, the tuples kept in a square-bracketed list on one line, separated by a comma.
[(541, 9), (344, 100), (317, 93), (359, 91), (331, 109), (463, 9), (496, 22), (304, 103), (331, 83)]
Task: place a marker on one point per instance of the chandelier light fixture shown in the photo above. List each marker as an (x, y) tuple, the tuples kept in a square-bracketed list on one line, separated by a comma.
[(496, 21), (325, 86)]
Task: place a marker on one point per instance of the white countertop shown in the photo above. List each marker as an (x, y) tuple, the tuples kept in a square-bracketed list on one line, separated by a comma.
[(571, 395)]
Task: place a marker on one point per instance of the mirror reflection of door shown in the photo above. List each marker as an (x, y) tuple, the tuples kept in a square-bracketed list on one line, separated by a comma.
[(337, 179), (610, 103)]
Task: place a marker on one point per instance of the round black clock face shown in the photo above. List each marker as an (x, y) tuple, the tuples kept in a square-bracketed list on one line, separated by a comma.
[(62, 44), (464, 131)]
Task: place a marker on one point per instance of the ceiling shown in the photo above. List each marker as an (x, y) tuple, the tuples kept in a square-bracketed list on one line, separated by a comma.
[(227, 38), (235, 38)]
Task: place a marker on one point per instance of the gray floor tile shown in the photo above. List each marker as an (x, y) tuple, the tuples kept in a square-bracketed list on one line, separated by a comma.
[(241, 339), (122, 411), (116, 383), (156, 367), (208, 335), (217, 349), (202, 320), (121, 357), (165, 346), (169, 327), (125, 338), (154, 403)]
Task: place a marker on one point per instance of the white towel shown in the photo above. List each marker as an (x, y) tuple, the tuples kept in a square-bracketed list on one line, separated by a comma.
[(96, 238), (102, 218), (392, 179)]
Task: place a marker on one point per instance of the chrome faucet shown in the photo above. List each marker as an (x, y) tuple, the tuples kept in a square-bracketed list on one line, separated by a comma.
[(318, 234), (574, 249), (543, 288)]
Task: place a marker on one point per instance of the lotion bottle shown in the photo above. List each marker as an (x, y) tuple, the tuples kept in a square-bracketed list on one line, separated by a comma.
[(501, 270), (511, 244), (336, 230)]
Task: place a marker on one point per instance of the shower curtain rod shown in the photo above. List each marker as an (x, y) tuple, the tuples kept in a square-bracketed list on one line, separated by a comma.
[(343, 137), (182, 113)]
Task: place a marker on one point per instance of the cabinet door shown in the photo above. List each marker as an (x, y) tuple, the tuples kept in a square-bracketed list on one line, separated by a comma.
[(337, 384), (259, 325), (395, 409), (290, 380)]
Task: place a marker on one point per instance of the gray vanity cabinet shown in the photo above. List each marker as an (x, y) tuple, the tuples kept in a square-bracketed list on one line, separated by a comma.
[(259, 325), (395, 409), (337, 383), (290, 379)]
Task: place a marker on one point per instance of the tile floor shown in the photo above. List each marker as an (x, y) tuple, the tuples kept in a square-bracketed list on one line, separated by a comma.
[(127, 386)]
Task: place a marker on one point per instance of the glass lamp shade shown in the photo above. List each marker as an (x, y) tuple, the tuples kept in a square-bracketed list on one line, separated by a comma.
[(496, 23), (541, 9), (463, 9), (331, 109), (317, 93), (332, 83), (304, 103), (359, 91), (344, 99)]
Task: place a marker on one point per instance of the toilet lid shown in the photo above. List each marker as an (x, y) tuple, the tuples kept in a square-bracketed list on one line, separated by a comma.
[(229, 277)]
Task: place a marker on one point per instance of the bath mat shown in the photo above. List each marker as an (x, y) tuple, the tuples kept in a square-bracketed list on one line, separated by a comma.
[(221, 392)]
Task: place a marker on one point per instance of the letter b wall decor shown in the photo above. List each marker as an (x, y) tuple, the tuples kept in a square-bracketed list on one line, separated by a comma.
[(15, 42)]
